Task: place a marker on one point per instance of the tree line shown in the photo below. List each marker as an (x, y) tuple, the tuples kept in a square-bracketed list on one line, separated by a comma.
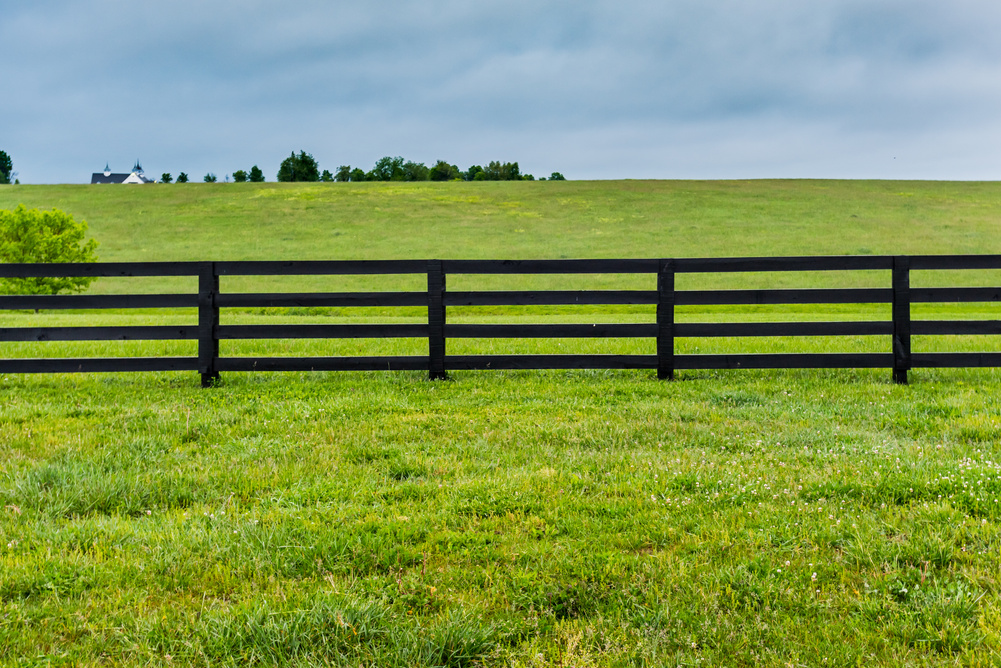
[(304, 167), (255, 175), (398, 169)]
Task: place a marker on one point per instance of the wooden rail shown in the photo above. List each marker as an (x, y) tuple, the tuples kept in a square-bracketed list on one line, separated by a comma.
[(209, 300)]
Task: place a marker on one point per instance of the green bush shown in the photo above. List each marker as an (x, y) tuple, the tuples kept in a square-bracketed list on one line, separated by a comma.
[(31, 235)]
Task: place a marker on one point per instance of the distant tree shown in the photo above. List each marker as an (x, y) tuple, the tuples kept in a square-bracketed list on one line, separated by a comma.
[(343, 174), (358, 174), (300, 167), (470, 174), (182, 178), (387, 169), (30, 235), (209, 178), (166, 177), (498, 171), (415, 171), (492, 172), (442, 171), (527, 177), (556, 176), (256, 175), (6, 167), (240, 176), (326, 176)]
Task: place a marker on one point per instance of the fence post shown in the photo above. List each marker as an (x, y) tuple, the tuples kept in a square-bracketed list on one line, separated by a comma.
[(208, 322), (901, 318), (665, 320), (436, 320)]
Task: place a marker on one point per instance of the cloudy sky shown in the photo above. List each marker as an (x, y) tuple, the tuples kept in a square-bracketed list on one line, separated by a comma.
[(596, 89)]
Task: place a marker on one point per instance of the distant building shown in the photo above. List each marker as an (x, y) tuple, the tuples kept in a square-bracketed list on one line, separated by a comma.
[(135, 176)]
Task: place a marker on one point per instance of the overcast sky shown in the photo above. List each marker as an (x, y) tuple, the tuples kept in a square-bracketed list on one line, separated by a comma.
[(596, 89)]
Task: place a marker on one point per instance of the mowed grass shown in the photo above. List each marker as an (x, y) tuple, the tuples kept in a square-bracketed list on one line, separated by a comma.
[(583, 518)]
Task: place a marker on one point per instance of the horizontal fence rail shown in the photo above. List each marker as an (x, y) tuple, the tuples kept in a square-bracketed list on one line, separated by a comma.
[(207, 302)]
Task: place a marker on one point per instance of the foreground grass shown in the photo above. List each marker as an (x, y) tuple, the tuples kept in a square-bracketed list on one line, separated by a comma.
[(536, 519)]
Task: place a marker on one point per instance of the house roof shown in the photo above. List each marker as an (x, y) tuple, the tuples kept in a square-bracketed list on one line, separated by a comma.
[(136, 176), (108, 177)]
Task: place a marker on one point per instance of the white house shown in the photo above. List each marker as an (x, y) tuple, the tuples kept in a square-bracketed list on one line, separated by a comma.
[(136, 176)]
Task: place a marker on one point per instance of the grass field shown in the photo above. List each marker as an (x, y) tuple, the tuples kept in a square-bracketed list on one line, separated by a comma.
[(804, 518), (529, 219)]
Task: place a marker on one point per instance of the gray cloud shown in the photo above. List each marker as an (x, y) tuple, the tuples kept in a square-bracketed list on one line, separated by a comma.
[(603, 89)]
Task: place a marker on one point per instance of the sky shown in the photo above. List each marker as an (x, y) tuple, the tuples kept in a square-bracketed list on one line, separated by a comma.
[(594, 89)]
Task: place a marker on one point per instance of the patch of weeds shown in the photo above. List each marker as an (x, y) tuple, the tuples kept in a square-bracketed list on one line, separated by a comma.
[(970, 486), (737, 399), (738, 590), (263, 633), (496, 503), (458, 640), (74, 489), (978, 429), (941, 617), (573, 591), (367, 453), (47, 579), (401, 471), (415, 596), (191, 435)]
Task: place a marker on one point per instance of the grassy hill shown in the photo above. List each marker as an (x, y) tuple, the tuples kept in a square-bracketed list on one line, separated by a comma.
[(528, 219)]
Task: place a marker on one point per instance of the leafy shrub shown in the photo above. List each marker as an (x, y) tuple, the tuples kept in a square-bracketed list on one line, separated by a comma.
[(31, 235)]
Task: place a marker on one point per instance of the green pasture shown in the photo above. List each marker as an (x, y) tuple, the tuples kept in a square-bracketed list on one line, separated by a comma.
[(569, 219), (547, 518), (528, 219)]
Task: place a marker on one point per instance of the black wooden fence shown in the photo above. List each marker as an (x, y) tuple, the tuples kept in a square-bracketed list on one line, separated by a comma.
[(209, 300)]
